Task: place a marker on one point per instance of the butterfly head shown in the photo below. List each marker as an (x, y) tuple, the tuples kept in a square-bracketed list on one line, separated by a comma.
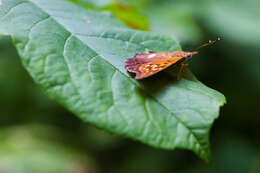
[(188, 55)]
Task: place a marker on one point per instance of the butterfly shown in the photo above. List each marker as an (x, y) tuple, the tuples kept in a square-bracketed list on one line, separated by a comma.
[(149, 63)]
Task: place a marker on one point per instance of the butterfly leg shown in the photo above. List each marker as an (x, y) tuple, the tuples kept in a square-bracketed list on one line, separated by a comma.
[(181, 69)]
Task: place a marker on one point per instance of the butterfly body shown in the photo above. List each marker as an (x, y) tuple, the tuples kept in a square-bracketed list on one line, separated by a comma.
[(149, 63)]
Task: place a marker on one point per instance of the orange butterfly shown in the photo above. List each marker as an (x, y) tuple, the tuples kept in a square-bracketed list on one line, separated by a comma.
[(149, 63)]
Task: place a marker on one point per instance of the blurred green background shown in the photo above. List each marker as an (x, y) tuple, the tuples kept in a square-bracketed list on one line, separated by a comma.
[(38, 135)]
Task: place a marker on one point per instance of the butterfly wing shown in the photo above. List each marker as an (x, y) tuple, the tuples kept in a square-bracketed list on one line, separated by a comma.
[(145, 67), (153, 67)]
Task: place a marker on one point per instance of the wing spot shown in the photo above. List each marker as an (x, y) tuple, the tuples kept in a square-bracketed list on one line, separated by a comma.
[(155, 68), (151, 55)]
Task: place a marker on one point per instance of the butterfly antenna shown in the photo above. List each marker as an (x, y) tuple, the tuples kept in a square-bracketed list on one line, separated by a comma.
[(210, 42)]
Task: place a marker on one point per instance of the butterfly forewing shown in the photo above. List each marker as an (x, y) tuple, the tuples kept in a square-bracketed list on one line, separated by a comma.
[(155, 66)]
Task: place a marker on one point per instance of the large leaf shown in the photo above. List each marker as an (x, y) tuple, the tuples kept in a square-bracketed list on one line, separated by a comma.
[(78, 55)]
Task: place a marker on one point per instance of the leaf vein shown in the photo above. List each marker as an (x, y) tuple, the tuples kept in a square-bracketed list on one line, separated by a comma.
[(69, 67), (30, 31), (113, 99), (16, 5), (150, 118)]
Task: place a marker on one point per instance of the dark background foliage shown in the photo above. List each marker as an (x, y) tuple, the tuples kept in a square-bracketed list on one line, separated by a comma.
[(36, 132)]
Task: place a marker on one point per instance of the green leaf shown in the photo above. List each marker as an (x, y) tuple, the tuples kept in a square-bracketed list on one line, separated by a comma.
[(78, 55)]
